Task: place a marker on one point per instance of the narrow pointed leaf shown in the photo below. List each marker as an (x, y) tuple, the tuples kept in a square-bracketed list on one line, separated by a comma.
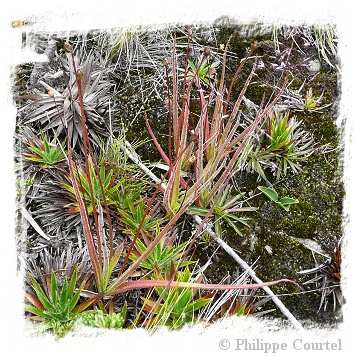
[(73, 282), (196, 305), (74, 300), (114, 259), (84, 305), (36, 311), (64, 293), (40, 294), (35, 302), (54, 287)]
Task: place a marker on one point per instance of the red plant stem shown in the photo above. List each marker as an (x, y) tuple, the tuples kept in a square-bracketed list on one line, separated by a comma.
[(82, 206), (240, 67), (108, 216), (86, 155), (88, 151), (186, 60), (162, 153), (143, 284), (176, 124), (170, 149), (85, 219), (184, 91)]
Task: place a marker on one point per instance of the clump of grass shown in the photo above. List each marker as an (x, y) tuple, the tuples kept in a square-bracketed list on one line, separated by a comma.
[(45, 152), (58, 308), (281, 146), (61, 110)]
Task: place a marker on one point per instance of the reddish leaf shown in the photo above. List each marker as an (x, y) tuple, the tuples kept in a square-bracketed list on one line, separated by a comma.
[(34, 301)]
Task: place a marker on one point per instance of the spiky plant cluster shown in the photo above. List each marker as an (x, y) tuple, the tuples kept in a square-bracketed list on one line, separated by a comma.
[(62, 261), (280, 146), (60, 111), (327, 279)]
